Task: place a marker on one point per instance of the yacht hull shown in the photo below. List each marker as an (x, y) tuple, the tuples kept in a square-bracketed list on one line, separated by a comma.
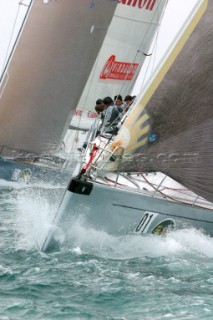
[(118, 212), (12, 171)]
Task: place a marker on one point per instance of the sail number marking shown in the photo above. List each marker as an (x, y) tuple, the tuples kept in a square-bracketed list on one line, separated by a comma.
[(145, 222)]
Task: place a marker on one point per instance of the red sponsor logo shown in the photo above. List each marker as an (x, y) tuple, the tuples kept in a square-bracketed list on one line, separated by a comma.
[(118, 70), (147, 4)]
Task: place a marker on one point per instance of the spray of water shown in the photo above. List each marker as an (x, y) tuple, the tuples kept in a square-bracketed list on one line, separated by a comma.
[(35, 208)]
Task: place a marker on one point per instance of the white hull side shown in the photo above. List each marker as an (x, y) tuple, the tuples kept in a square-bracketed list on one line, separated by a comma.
[(118, 211)]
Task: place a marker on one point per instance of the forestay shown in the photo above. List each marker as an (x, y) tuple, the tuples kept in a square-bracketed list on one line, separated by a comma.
[(48, 71)]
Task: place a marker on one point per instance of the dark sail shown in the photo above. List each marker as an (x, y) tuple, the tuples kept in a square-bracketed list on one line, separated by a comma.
[(48, 71), (181, 116)]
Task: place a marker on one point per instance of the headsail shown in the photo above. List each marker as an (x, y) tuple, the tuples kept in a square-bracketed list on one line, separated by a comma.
[(180, 114), (49, 69)]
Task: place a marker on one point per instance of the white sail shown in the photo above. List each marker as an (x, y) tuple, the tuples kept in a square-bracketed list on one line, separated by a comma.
[(124, 50), (122, 55)]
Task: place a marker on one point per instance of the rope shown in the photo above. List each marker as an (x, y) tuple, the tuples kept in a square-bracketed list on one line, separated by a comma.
[(92, 155)]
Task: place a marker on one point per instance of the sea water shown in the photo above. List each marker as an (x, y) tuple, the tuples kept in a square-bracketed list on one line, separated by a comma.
[(95, 275)]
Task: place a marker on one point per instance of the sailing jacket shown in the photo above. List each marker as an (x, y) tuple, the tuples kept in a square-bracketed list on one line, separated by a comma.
[(111, 116)]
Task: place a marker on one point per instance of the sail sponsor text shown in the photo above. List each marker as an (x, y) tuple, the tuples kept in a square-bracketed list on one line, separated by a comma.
[(86, 114), (141, 4), (118, 70)]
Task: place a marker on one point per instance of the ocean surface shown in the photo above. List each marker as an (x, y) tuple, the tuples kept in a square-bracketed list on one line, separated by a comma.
[(97, 276)]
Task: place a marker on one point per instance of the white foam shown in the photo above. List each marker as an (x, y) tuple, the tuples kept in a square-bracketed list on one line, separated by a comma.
[(176, 243)]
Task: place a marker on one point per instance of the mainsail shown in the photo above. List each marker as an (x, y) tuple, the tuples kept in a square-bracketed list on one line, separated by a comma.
[(125, 47), (178, 119), (48, 71)]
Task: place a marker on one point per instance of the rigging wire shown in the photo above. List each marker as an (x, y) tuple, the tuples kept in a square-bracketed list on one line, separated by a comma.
[(142, 42), (165, 195), (154, 52)]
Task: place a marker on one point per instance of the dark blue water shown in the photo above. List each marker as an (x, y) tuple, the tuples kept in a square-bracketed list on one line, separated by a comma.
[(97, 276)]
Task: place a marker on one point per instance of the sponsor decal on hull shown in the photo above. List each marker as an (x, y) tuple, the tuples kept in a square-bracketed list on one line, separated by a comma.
[(118, 70)]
